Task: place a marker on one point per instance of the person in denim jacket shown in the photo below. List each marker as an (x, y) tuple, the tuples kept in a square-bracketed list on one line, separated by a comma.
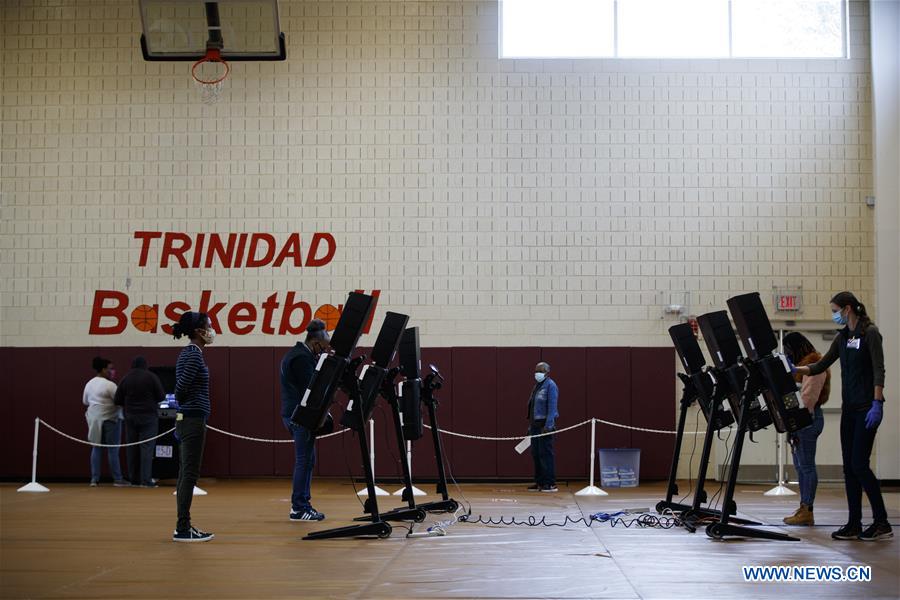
[(542, 415)]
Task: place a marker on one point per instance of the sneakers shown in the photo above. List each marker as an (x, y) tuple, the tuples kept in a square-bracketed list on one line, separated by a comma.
[(149, 485), (549, 489), (310, 514), (847, 532), (877, 531), (122, 483), (802, 516), (534, 488), (94, 483), (192, 535)]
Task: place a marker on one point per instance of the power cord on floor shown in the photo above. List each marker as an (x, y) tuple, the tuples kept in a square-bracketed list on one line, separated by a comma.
[(639, 520)]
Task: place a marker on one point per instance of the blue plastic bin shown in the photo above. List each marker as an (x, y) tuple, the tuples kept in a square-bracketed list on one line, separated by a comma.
[(619, 467)]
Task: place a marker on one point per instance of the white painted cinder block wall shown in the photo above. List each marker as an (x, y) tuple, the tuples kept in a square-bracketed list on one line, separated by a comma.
[(499, 202)]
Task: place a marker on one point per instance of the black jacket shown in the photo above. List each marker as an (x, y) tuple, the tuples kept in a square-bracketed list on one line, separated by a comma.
[(140, 392)]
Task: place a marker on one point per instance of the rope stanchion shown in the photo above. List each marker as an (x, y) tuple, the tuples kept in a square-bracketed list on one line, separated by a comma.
[(34, 486), (415, 491), (591, 489), (378, 491)]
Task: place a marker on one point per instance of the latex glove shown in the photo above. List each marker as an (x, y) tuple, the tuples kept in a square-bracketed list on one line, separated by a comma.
[(875, 414), (547, 429), (791, 365)]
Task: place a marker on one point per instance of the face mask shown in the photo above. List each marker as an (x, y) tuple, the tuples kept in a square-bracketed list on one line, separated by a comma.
[(111, 373), (207, 335), (838, 318), (539, 377)]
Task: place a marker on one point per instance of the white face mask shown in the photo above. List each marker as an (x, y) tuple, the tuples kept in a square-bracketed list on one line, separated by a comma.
[(539, 377), (207, 335)]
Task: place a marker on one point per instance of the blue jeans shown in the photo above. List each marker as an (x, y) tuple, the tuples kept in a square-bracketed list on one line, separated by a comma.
[(304, 461), (804, 453), (112, 434), (542, 453)]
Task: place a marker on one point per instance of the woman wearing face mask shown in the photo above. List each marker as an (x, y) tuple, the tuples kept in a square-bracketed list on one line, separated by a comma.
[(814, 391), (104, 420), (858, 346), (192, 394)]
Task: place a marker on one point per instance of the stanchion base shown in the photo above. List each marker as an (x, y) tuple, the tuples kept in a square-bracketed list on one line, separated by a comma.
[(591, 490), (378, 492), (34, 486), (780, 490), (197, 492), (416, 492)]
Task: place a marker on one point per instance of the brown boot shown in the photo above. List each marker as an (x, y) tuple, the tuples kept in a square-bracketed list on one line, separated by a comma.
[(803, 516)]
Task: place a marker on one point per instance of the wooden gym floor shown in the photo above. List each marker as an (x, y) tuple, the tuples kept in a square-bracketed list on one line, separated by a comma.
[(81, 542)]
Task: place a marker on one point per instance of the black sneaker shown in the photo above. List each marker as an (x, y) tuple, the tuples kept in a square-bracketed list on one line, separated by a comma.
[(534, 488), (192, 535), (847, 532), (877, 531), (122, 483), (310, 514), (549, 489)]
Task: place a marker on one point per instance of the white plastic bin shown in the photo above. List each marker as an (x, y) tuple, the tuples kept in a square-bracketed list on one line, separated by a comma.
[(619, 467)]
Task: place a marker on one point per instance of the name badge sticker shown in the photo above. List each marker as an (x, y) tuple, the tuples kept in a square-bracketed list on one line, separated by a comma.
[(853, 343)]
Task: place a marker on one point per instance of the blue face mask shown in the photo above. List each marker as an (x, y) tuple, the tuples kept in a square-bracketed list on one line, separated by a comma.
[(539, 377), (838, 318)]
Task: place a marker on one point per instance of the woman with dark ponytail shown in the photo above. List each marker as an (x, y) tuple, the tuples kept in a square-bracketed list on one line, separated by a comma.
[(192, 394), (859, 348)]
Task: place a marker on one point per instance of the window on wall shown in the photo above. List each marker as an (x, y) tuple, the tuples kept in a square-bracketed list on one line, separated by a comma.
[(673, 28)]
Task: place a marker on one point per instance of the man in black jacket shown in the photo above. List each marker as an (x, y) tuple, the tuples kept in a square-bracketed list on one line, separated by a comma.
[(140, 392), (297, 368)]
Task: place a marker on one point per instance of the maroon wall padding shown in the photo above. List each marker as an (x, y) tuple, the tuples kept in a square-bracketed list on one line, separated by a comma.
[(608, 394), (485, 392), (6, 424), (424, 462), (515, 378), (251, 411), (568, 370), (653, 387), (474, 408)]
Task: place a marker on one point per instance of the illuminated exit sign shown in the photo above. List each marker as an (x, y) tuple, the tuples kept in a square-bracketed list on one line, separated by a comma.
[(788, 301)]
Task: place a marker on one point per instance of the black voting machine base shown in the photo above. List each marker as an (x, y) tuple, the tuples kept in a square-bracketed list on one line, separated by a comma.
[(740, 381), (338, 372)]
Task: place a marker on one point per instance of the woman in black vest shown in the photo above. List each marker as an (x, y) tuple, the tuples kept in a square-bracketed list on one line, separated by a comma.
[(858, 346)]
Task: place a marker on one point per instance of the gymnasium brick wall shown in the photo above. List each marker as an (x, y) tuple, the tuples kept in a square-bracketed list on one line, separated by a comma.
[(498, 202)]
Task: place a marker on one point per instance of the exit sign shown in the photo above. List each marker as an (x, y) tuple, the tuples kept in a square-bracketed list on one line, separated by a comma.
[(788, 301)]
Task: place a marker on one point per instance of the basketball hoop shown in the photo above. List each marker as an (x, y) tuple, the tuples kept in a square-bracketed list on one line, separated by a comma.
[(210, 73)]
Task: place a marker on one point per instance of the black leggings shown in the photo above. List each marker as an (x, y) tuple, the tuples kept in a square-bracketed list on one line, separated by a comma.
[(856, 448)]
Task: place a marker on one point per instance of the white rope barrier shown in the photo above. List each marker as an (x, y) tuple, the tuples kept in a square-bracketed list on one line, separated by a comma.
[(268, 441), (34, 486), (87, 443)]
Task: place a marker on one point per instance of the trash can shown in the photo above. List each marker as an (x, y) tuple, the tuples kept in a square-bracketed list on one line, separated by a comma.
[(166, 457), (619, 467)]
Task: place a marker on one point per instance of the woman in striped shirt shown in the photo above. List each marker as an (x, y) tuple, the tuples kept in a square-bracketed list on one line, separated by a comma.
[(192, 394)]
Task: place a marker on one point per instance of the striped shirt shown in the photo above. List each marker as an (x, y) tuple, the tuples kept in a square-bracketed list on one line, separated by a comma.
[(192, 382)]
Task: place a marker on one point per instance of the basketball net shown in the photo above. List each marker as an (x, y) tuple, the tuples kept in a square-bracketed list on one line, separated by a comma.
[(210, 73)]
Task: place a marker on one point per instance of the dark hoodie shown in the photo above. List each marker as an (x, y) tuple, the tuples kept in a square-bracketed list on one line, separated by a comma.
[(140, 391)]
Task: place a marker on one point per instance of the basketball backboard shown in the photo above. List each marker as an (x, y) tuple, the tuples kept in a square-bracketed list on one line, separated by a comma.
[(187, 29)]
